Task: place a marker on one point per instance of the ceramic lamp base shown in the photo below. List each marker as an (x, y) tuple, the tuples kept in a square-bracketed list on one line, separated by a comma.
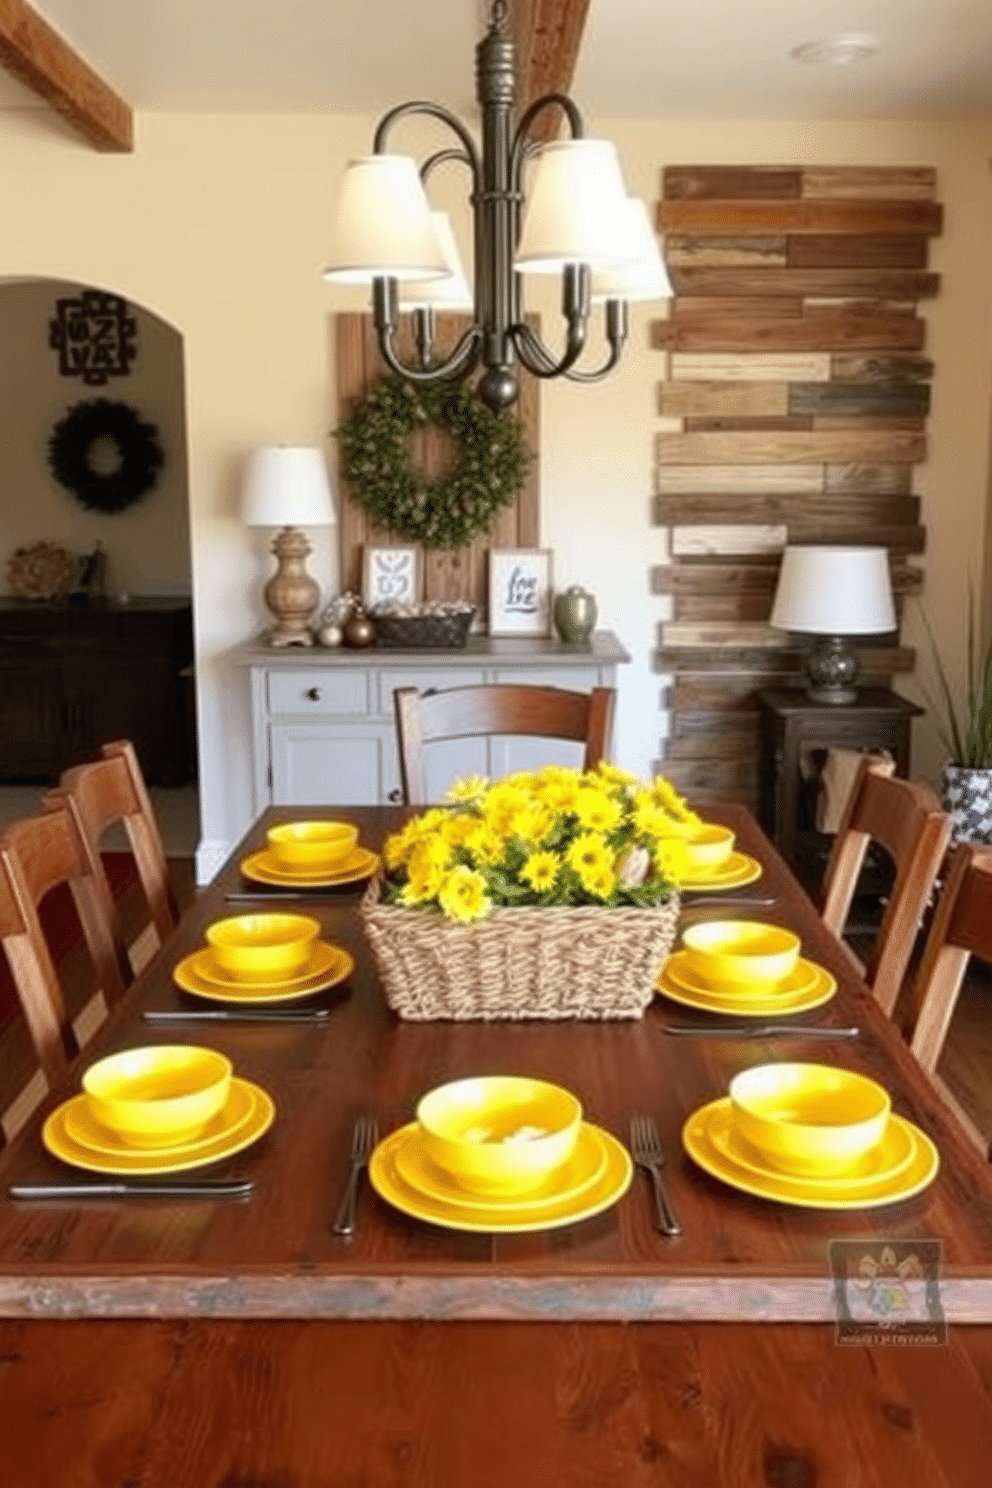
[(831, 671), (291, 594)]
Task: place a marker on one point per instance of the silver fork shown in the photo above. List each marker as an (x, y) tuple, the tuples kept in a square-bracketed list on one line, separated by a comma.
[(363, 1140), (646, 1148)]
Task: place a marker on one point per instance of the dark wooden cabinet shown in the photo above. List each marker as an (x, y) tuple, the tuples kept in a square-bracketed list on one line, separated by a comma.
[(72, 677), (795, 736)]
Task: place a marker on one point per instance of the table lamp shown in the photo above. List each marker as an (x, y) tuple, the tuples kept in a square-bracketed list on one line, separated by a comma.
[(286, 486), (832, 593)]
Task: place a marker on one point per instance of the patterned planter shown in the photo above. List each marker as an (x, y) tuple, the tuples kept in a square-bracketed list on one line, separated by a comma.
[(967, 795)]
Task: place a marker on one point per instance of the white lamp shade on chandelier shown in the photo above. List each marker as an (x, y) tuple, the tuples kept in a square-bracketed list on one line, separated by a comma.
[(575, 211), (834, 591), (287, 486), (384, 224), (451, 292), (645, 277)]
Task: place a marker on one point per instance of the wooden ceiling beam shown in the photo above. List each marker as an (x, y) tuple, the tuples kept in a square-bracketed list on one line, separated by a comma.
[(41, 59), (546, 34)]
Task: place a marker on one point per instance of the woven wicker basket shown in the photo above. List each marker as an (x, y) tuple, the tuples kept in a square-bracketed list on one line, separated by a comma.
[(519, 963), (423, 632)]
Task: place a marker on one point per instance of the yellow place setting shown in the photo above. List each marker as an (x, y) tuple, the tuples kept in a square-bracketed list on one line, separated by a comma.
[(262, 867), (740, 955), (79, 1123), (810, 1134), (311, 846), (199, 975), (736, 871), (263, 947), (810, 986), (585, 1167), (495, 1215)]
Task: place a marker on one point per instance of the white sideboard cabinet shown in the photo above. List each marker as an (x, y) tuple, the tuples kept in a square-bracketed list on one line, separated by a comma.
[(323, 726)]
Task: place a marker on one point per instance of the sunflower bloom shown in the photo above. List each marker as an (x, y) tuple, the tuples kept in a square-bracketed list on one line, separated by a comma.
[(470, 791), (597, 811), (463, 895), (588, 854), (540, 871), (600, 882), (672, 859)]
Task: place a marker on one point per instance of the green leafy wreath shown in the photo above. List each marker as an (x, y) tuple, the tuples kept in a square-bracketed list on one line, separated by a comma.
[(139, 454), (488, 472)]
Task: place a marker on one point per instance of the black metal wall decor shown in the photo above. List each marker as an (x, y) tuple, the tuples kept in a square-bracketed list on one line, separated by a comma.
[(94, 336), (105, 454)]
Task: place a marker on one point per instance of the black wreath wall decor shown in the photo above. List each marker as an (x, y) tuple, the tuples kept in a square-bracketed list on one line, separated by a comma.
[(443, 512), (139, 454)]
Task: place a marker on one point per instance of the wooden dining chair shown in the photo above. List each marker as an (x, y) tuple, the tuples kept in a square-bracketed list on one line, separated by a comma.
[(907, 820), (105, 793), (466, 712), (37, 855)]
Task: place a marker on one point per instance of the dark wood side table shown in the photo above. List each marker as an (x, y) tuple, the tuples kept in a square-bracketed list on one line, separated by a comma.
[(795, 735)]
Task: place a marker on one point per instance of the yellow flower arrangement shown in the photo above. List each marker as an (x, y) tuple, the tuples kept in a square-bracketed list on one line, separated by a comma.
[(544, 838)]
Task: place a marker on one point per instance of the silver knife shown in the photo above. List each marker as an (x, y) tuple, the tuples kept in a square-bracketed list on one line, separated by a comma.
[(758, 1030), (219, 1015), (248, 897), (742, 901), (206, 1188)]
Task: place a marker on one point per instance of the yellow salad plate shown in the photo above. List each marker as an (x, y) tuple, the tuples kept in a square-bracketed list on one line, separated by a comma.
[(752, 1005), (709, 1139), (84, 1128), (803, 979), (240, 1132), (889, 1157), (586, 1166), (734, 873), (200, 975), (486, 1217), (262, 867)]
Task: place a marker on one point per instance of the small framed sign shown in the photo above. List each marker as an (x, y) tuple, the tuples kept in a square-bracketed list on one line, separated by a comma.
[(389, 575), (520, 591)]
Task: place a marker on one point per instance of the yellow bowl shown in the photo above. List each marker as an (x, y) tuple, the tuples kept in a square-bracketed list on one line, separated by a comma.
[(158, 1096), (252, 947), (740, 954), (809, 1118), (499, 1133), (311, 844), (709, 846)]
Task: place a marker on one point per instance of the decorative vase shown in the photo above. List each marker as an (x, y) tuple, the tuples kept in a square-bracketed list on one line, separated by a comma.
[(967, 795), (575, 614)]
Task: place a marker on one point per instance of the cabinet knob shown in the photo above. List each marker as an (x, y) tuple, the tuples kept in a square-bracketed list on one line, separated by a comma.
[(396, 796), (313, 693)]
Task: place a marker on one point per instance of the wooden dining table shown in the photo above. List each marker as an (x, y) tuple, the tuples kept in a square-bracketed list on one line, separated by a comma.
[(228, 1344)]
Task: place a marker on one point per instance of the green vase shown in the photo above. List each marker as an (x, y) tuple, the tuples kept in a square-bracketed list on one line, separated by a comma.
[(575, 614)]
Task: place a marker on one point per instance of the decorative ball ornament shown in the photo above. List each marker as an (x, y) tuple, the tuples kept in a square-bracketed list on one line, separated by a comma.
[(445, 511), (105, 454), (359, 632)]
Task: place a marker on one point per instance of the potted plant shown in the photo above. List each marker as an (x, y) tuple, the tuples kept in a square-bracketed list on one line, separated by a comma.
[(966, 778)]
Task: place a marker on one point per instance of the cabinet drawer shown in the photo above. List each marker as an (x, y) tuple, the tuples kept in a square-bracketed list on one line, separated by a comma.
[(326, 693), (575, 679), (440, 679)]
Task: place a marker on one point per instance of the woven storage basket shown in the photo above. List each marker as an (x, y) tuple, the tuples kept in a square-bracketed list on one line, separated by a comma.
[(519, 963), (423, 632)]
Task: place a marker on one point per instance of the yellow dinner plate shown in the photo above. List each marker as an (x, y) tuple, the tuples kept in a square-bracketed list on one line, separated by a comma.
[(59, 1141), (331, 965), (323, 957), (707, 1139), (802, 979), (82, 1126), (263, 868), (733, 873), (752, 1006), (893, 1155), (389, 1183), (585, 1167)]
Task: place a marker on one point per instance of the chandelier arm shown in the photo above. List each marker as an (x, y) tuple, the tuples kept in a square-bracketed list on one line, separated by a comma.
[(616, 335), (521, 144), (433, 111), (575, 307), (460, 361)]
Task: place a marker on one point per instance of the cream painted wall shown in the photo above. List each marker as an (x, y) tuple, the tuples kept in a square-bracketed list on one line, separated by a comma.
[(219, 225), (147, 544)]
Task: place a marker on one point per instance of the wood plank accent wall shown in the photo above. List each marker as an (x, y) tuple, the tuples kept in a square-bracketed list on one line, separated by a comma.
[(794, 407), (457, 573)]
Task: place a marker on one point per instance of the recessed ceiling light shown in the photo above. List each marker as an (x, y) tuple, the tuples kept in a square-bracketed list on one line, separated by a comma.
[(837, 51)]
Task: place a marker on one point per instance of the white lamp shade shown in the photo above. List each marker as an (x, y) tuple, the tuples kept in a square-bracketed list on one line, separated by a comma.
[(576, 209), (834, 591), (451, 292), (645, 277), (287, 486), (384, 225)]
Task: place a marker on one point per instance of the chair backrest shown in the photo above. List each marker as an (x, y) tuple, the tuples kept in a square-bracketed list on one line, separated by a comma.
[(36, 855), (102, 794), (908, 821), (463, 712)]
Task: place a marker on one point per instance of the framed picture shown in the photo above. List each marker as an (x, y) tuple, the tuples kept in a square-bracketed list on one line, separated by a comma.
[(390, 575), (520, 591)]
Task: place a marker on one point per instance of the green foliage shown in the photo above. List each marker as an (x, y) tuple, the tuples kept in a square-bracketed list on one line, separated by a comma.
[(968, 738), (489, 470)]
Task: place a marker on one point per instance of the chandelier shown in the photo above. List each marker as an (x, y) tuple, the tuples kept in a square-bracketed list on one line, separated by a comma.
[(576, 221)]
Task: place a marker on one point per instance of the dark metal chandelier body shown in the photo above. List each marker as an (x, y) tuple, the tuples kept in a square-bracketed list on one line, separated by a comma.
[(498, 337)]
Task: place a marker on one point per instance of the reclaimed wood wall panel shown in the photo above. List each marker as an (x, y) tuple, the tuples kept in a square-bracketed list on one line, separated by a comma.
[(794, 401), (457, 573)]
